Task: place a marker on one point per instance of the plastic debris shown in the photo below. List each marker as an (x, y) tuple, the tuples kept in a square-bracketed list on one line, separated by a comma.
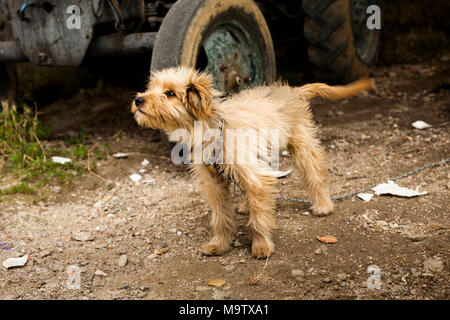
[(277, 174), (145, 163), (419, 124), (365, 196), (392, 188), (135, 177), (120, 155), (61, 160), (15, 262)]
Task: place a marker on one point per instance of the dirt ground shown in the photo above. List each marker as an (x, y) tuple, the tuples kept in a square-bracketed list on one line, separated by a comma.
[(141, 240)]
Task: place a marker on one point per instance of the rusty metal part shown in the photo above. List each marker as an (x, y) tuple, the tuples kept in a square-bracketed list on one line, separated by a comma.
[(10, 52), (111, 45), (47, 38), (117, 45), (130, 9)]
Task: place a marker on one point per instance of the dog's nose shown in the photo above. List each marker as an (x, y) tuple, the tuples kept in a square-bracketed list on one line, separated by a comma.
[(139, 101)]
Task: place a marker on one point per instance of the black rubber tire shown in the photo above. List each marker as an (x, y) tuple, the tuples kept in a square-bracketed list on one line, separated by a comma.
[(331, 42), (189, 21)]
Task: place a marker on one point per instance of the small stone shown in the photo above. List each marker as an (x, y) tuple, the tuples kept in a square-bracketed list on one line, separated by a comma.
[(242, 261), (381, 223), (84, 263), (123, 259), (56, 189), (152, 256), (339, 113), (341, 277), (45, 253), (83, 236), (202, 288), (298, 273), (237, 243), (433, 265), (229, 267), (100, 273), (327, 280), (415, 237), (221, 295), (318, 251), (121, 250), (144, 288)]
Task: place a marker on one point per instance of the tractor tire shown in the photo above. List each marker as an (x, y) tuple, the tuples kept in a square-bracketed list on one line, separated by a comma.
[(212, 35), (340, 46)]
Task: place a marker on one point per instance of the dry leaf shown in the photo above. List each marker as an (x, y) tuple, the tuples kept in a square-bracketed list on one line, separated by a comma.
[(327, 239), (216, 282)]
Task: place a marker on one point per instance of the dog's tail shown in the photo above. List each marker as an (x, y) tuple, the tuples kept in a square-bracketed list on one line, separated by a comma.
[(335, 92)]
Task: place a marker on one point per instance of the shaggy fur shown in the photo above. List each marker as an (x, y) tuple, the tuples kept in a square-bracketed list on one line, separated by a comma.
[(177, 97)]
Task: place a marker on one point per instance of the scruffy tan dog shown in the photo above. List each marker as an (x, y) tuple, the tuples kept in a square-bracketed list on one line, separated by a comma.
[(177, 97)]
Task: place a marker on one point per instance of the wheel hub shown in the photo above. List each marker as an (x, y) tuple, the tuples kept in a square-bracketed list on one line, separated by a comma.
[(232, 59)]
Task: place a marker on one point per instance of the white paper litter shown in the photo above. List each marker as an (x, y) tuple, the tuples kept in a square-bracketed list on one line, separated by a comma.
[(15, 262), (61, 160), (145, 163), (136, 177), (120, 155), (419, 124), (277, 174), (365, 196), (391, 188)]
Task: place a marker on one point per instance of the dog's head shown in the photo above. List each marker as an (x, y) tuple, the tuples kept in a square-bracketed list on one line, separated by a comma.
[(175, 98)]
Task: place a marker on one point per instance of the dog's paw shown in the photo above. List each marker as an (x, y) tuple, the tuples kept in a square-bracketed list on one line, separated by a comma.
[(214, 249), (262, 249), (322, 210)]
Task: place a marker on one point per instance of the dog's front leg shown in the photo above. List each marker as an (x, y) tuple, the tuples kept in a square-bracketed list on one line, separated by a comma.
[(259, 191), (222, 215)]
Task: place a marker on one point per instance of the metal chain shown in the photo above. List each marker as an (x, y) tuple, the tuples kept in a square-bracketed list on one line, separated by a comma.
[(351, 194)]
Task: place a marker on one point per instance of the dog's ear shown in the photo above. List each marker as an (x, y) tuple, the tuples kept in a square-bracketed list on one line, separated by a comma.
[(198, 96)]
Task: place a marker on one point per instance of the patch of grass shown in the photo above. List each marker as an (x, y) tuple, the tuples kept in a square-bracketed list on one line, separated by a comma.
[(116, 136), (22, 188), (20, 144), (80, 151)]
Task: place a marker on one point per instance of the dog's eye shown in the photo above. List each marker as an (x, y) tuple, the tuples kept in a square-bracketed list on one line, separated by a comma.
[(170, 94)]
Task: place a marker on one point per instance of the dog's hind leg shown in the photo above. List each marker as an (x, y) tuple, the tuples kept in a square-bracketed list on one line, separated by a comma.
[(309, 158), (222, 214)]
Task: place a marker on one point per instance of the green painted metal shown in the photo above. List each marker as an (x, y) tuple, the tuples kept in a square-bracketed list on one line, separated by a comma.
[(230, 47)]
